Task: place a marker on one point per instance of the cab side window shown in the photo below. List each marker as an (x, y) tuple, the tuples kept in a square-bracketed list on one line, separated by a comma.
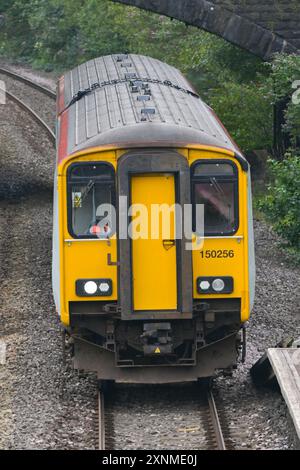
[(89, 186), (215, 185)]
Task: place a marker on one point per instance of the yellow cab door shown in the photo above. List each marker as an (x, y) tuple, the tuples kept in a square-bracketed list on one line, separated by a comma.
[(154, 270)]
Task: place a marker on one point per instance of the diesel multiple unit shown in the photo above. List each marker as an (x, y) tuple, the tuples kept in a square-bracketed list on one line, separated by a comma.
[(132, 132)]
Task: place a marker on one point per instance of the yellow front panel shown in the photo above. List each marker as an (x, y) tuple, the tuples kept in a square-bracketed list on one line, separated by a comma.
[(153, 264), (220, 257), (84, 259), (87, 260), (154, 267), (226, 255)]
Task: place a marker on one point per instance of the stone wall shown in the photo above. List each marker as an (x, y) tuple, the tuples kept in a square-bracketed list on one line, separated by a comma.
[(261, 27), (279, 16)]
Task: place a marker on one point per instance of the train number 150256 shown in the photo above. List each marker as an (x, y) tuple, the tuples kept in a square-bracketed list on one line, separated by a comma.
[(217, 254)]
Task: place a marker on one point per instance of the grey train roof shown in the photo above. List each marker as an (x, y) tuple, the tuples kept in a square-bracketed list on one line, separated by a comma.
[(115, 110)]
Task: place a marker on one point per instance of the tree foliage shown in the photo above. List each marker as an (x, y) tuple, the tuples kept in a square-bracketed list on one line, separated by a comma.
[(281, 205), (59, 34), (283, 82)]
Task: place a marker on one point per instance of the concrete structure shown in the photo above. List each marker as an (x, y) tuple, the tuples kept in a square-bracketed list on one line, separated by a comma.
[(286, 366), (262, 28), (2, 352)]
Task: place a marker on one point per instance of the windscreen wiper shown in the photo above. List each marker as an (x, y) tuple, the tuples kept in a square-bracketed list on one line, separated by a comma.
[(90, 185), (216, 185)]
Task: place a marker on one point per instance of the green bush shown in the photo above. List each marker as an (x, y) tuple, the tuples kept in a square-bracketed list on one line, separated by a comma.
[(282, 83), (245, 110), (281, 205)]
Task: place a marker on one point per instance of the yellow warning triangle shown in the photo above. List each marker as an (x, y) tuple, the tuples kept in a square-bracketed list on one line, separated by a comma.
[(157, 350)]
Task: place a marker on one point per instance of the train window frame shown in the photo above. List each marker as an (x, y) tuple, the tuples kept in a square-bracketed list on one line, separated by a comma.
[(234, 178), (69, 194)]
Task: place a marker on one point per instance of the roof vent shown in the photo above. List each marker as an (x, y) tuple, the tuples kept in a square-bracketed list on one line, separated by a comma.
[(130, 75), (146, 89), (143, 98), (126, 64), (121, 57), (148, 111), (137, 83)]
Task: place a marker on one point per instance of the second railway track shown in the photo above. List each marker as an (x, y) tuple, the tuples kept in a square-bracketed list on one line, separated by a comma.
[(27, 81), (34, 115), (35, 99)]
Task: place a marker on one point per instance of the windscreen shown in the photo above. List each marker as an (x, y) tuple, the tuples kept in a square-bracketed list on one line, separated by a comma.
[(215, 186), (89, 187)]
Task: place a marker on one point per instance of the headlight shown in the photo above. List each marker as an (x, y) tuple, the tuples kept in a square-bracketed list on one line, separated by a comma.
[(94, 287), (215, 285), (90, 287), (218, 285)]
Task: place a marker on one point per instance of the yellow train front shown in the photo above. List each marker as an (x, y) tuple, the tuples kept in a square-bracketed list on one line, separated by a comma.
[(146, 292)]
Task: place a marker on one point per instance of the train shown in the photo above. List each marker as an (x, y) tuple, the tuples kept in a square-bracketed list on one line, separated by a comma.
[(153, 267)]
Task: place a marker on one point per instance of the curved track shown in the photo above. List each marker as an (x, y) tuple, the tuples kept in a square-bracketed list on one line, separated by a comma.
[(33, 114), (29, 82)]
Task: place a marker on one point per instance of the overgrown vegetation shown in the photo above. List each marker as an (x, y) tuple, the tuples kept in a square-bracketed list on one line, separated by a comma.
[(58, 34), (281, 205), (284, 81)]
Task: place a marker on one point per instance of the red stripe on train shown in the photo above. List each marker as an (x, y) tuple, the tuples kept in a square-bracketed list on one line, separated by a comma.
[(63, 136), (61, 95), (63, 122)]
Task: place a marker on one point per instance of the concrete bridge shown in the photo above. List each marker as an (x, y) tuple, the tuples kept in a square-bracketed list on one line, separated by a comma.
[(262, 27)]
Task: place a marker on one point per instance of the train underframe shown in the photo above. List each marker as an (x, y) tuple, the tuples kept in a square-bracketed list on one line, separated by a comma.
[(155, 350)]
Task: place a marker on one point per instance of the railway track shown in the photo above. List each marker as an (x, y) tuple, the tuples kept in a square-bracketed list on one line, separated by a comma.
[(34, 115), (209, 421), (101, 421), (105, 440), (21, 104), (218, 439), (28, 82)]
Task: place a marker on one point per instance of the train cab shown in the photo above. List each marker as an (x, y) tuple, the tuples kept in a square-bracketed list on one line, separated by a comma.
[(153, 257)]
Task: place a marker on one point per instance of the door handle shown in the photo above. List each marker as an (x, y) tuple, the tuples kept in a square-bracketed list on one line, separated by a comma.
[(168, 244)]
